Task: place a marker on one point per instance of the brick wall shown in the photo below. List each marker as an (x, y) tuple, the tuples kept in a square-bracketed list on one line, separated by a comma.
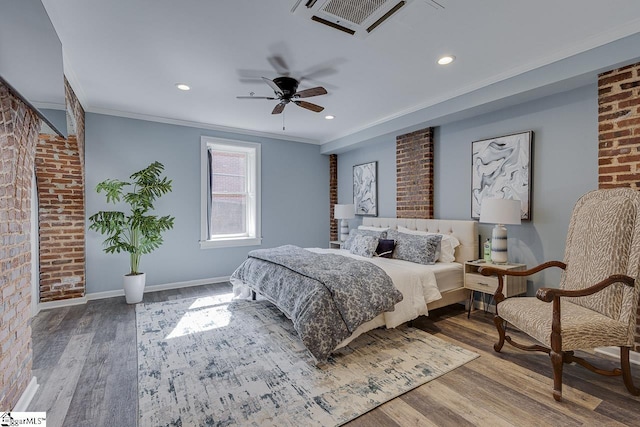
[(333, 195), (414, 174), (619, 133), (19, 128), (75, 119), (619, 128), (60, 181)]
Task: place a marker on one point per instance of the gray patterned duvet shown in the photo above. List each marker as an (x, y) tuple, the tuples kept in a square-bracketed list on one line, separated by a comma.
[(327, 296)]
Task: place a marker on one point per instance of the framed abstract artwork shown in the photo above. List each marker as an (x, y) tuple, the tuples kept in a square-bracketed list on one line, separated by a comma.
[(501, 169), (365, 189)]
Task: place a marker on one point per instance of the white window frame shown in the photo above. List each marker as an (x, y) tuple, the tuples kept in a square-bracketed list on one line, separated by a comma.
[(254, 228)]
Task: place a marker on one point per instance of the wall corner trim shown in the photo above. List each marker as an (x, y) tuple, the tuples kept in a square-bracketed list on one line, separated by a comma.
[(27, 395)]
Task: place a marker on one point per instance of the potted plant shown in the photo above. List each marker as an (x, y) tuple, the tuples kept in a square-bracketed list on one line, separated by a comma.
[(138, 231)]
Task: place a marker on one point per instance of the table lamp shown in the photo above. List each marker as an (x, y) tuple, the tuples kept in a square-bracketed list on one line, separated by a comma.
[(343, 213), (500, 212)]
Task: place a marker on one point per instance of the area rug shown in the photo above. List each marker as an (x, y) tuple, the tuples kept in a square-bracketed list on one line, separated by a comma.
[(214, 361)]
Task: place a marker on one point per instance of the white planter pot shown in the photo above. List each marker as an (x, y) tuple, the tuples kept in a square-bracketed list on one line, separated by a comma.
[(134, 287)]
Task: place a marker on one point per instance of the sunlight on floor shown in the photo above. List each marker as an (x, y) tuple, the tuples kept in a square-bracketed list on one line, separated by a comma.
[(204, 314)]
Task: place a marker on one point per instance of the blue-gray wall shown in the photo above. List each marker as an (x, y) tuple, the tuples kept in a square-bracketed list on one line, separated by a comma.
[(295, 181), (565, 166), (295, 198), (385, 154)]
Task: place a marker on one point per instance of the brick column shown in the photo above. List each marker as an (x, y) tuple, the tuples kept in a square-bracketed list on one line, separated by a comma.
[(333, 195), (619, 128), (19, 128), (414, 174), (619, 134), (61, 218), (60, 175)]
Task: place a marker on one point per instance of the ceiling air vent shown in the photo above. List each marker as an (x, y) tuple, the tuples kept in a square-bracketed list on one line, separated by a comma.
[(355, 17)]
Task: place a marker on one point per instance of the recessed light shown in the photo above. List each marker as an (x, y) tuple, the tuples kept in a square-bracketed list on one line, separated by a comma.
[(446, 60), (329, 117), (182, 86)]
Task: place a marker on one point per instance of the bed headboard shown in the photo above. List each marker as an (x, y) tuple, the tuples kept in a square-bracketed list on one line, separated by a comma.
[(465, 231)]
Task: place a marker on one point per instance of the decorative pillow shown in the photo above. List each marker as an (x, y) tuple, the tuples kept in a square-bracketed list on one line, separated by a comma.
[(364, 245), (377, 234), (415, 248), (448, 244), (385, 248)]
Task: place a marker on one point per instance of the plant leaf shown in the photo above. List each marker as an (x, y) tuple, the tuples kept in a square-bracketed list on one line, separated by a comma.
[(137, 232)]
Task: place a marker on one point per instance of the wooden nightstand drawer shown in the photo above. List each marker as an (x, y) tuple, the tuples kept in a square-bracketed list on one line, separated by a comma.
[(481, 283), (488, 284), (476, 282)]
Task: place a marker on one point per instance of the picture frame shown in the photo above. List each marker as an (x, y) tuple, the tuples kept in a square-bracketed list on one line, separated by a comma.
[(365, 189), (501, 168)]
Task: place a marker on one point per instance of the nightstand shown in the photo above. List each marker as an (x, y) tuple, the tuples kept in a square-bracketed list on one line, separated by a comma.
[(335, 244), (475, 281)]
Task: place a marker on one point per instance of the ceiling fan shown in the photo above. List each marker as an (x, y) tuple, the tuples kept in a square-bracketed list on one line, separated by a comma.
[(285, 90)]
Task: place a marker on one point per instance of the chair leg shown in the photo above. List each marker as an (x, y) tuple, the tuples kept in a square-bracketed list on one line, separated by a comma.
[(497, 320), (626, 371), (556, 363)]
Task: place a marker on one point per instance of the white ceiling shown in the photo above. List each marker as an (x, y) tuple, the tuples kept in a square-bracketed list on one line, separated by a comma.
[(124, 57)]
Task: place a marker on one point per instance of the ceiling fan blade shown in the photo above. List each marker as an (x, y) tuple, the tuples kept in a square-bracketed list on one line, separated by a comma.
[(314, 91), (324, 69), (278, 63), (278, 108), (273, 86), (255, 97), (309, 106)]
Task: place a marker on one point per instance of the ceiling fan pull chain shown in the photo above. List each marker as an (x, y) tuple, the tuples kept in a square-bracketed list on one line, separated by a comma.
[(283, 120)]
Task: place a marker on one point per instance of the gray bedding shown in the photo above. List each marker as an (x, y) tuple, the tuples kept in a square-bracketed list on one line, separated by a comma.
[(327, 296)]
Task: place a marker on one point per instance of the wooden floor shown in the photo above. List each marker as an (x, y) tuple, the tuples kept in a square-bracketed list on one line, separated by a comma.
[(84, 358)]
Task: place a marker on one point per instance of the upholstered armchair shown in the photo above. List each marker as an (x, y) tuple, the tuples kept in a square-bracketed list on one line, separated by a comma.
[(596, 302)]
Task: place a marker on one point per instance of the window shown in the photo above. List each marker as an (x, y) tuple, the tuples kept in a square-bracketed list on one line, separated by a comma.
[(230, 193)]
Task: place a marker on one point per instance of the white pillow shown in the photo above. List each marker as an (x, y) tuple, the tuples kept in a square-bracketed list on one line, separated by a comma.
[(366, 227), (448, 244)]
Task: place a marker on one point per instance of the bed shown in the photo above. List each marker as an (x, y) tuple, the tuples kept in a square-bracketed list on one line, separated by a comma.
[(450, 283), (305, 298)]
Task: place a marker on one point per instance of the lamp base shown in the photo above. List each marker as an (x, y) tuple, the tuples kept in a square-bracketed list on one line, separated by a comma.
[(499, 253), (344, 230)]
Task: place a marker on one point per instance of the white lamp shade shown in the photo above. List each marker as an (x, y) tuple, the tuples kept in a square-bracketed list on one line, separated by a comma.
[(500, 211), (344, 211)]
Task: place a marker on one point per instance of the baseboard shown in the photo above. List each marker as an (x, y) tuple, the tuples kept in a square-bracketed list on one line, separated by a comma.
[(61, 303), (634, 357), (27, 395), (120, 292)]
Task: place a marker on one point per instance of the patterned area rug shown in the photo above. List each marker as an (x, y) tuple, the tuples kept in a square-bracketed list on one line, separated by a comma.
[(217, 361)]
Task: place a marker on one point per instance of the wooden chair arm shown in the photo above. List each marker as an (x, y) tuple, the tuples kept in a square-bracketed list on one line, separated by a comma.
[(554, 295), (490, 271), (498, 296), (548, 294)]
